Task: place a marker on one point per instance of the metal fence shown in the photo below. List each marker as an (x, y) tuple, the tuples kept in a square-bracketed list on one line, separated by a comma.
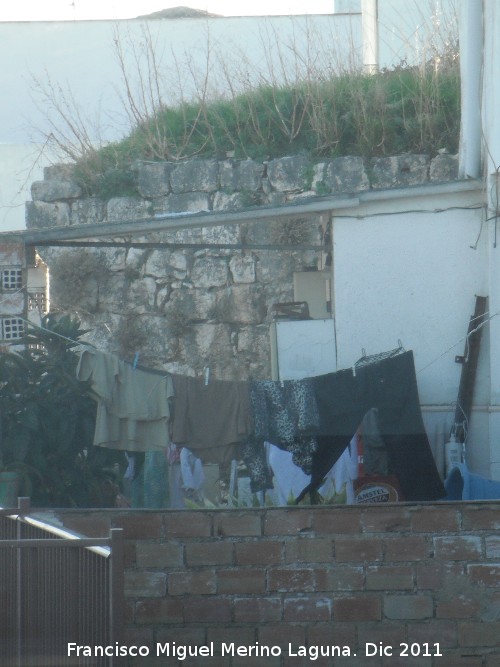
[(57, 591)]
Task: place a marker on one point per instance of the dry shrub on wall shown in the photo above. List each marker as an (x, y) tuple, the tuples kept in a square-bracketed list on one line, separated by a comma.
[(77, 276)]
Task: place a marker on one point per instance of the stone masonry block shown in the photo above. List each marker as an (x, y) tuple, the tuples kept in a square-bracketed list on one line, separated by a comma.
[(399, 171), (345, 174), (195, 175), (55, 190), (153, 179), (42, 215), (288, 174)]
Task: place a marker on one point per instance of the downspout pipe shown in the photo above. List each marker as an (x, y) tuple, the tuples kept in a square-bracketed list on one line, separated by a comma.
[(471, 60), (369, 24)]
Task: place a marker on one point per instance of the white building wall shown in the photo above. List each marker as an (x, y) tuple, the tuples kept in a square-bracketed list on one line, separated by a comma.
[(402, 272)]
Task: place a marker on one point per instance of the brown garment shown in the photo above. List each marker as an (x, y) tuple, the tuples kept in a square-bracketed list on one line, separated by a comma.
[(211, 419)]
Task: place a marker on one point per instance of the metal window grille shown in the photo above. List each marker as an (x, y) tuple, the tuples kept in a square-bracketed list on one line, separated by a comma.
[(12, 279), (37, 301), (12, 328)]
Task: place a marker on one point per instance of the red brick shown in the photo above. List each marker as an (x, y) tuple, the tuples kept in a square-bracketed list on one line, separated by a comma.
[(287, 521), (291, 580), (479, 634), (206, 610), (186, 636), (209, 553), (241, 581), (388, 519), (257, 661), (140, 525), (481, 517), (458, 547), (362, 608), (235, 524), (305, 661), (337, 520), (436, 631), (158, 611), (129, 554), (408, 607), (187, 524), (455, 659), (282, 635), (390, 634), (304, 609), (332, 633), (154, 554), (434, 575), (408, 548), (340, 578), (257, 610), (309, 550), (241, 636), (389, 577), (143, 584), (358, 549), (201, 582), (258, 552), (492, 543), (461, 606), (486, 574), (434, 519)]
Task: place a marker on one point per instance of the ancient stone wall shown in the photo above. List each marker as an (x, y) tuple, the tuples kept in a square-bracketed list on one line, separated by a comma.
[(204, 299)]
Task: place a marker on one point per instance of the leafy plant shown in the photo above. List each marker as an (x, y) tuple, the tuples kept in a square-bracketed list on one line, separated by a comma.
[(48, 419)]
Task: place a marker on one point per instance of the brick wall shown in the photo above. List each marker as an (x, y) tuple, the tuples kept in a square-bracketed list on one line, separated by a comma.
[(319, 577)]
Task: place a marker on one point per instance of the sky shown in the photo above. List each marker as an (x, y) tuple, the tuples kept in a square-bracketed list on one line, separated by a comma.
[(82, 10)]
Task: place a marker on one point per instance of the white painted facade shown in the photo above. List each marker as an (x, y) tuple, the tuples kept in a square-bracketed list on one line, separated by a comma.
[(79, 57)]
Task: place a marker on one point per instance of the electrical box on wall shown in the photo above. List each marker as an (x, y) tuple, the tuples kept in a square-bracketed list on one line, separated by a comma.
[(302, 348), (314, 287)]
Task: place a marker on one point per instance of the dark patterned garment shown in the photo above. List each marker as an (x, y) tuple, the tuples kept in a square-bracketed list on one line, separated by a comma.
[(286, 414)]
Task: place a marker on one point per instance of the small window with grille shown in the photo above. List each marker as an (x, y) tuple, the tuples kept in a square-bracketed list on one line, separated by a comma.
[(12, 328), (37, 301), (12, 279)]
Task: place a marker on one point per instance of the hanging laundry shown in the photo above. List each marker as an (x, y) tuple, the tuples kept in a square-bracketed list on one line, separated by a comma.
[(211, 419), (375, 454), (285, 413), (390, 386), (132, 405)]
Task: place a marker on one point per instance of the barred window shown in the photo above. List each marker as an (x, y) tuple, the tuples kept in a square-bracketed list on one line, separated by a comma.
[(12, 279), (37, 301), (12, 328)]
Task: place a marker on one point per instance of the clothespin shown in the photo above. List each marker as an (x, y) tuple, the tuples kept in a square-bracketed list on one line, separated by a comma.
[(354, 371), (136, 360), (207, 375)]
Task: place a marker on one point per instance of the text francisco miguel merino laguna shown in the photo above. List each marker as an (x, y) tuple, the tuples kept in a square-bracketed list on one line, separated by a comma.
[(181, 651)]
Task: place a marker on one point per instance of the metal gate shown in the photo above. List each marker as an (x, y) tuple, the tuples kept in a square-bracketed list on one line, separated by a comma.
[(57, 591)]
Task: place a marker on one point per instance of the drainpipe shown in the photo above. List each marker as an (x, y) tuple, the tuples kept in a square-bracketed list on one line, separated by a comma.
[(471, 58), (369, 23)]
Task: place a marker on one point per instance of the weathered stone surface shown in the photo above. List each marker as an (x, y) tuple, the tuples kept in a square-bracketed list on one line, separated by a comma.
[(194, 305), (194, 175), (114, 298), (241, 175), (55, 190), (221, 234), (87, 211), (115, 257), (241, 304), (141, 295), (120, 209), (288, 173), (228, 202), (212, 341), (188, 202), (167, 263), (153, 179), (399, 171), (242, 268), (444, 168), (58, 172), (345, 174), (41, 215), (209, 272)]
